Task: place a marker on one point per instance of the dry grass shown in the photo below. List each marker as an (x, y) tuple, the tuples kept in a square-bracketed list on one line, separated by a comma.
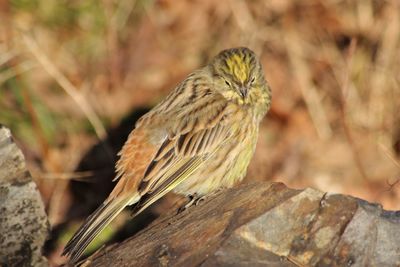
[(333, 67)]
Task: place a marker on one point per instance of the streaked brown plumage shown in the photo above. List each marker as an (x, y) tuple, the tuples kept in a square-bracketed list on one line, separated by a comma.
[(199, 139)]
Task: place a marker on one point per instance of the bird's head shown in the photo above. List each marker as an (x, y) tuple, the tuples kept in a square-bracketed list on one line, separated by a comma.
[(238, 76)]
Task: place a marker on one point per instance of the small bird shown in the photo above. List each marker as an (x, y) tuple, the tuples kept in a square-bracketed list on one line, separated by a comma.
[(200, 138)]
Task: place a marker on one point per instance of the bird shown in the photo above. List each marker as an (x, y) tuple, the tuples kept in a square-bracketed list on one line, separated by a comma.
[(199, 139)]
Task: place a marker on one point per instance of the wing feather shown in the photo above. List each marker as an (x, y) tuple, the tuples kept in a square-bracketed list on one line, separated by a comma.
[(182, 153), (190, 135)]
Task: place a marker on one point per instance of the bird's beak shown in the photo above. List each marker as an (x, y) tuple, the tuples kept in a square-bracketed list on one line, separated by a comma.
[(243, 91)]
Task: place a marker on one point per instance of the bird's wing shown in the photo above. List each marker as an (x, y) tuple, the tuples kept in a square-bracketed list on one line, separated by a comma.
[(192, 135)]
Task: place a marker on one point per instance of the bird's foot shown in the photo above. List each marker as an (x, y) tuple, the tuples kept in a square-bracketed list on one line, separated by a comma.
[(194, 200)]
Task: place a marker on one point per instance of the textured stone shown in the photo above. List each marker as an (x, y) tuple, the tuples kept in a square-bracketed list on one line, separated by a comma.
[(23, 222), (265, 224)]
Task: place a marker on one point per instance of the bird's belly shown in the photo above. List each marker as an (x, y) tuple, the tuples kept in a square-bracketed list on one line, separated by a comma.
[(224, 169)]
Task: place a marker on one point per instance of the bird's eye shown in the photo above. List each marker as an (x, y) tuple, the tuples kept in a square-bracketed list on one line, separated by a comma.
[(227, 83), (253, 80)]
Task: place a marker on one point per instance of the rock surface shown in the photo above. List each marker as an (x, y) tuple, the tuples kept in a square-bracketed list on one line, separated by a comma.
[(23, 222), (265, 224)]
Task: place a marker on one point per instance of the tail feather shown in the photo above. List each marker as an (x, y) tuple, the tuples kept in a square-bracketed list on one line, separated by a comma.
[(93, 225)]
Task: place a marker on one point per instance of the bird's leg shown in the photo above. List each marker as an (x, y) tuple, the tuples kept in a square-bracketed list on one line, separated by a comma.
[(191, 200), (194, 200)]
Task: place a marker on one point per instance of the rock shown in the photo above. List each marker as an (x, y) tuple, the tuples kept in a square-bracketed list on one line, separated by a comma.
[(265, 224), (23, 222)]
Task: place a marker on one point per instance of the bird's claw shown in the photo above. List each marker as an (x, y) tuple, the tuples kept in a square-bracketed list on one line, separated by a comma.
[(194, 200)]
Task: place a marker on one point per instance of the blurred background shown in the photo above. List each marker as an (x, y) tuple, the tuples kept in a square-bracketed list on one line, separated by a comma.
[(76, 75)]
